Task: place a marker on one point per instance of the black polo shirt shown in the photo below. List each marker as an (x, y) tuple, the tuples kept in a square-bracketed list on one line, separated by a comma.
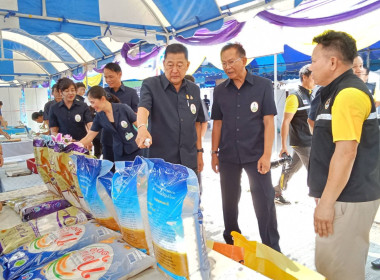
[(172, 119), (47, 108), (242, 111), (70, 121), (126, 95)]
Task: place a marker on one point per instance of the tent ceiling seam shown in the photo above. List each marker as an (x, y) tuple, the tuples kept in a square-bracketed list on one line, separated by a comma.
[(84, 23), (27, 58), (59, 38), (155, 16)]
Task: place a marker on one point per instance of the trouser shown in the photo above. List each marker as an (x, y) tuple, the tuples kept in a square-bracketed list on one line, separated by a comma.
[(343, 254), (107, 152), (262, 196), (97, 147), (300, 156)]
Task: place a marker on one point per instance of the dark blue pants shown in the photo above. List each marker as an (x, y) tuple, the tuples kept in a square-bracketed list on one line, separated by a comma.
[(262, 193), (107, 152)]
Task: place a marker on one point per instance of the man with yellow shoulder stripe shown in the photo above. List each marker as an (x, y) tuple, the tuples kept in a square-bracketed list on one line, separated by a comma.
[(295, 125), (344, 168)]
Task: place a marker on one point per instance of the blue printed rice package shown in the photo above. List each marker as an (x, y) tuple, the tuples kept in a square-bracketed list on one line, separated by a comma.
[(51, 246), (129, 189), (105, 261), (95, 181), (175, 223)]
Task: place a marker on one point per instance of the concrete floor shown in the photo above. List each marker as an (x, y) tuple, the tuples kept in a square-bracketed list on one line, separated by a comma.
[(295, 221)]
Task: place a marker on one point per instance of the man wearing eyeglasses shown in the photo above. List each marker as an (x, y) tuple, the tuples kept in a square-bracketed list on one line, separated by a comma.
[(173, 105), (242, 137)]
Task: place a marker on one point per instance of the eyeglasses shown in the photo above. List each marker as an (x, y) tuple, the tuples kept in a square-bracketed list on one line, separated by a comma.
[(230, 63)]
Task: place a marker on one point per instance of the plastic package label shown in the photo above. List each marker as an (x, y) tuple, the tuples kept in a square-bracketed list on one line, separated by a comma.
[(51, 246), (95, 178)]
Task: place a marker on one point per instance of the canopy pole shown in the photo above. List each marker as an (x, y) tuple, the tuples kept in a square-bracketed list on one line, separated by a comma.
[(2, 45), (275, 100), (44, 8)]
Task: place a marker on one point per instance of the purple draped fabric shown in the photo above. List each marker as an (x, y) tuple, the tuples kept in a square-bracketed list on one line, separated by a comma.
[(45, 84), (203, 36), (310, 22), (99, 70), (140, 58), (80, 77)]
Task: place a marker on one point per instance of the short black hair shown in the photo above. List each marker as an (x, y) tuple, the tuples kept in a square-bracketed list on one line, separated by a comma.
[(190, 78), (36, 115), (366, 69), (338, 41), (237, 46), (113, 66), (65, 83), (1, 103), (80, 84), (54, 87), (176, 48)]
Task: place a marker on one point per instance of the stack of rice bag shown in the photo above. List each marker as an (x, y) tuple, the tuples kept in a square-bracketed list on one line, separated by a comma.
[(157, 210), (76, 252)]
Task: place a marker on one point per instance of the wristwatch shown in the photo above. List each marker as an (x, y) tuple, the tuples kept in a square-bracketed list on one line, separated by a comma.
[(200, 150), (214, 152)]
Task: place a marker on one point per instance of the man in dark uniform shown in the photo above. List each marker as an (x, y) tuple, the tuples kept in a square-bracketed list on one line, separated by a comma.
[(81, 91), (294, 124), (112, 75), (344, 168), (69, 116), (242, 137), (174, 107), (57, 98)]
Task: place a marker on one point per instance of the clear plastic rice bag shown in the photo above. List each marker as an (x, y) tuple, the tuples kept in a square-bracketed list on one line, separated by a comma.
[(175, 223), (23, 233), (95, 180), (108, 260), (51, 246), (129, 187)]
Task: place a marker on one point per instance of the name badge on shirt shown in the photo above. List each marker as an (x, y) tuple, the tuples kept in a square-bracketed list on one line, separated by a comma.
[(128, 136), (124, 124), (193, 109), (306, 102), (78, 118), (254, 107)]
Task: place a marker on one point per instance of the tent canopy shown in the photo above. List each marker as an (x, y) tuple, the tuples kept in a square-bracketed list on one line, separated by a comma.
[(42, 39)]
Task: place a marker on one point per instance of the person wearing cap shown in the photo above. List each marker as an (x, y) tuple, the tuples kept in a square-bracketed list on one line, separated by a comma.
[(69, 116), (173, 105), (295, 125), (242, 138), (112, 75)]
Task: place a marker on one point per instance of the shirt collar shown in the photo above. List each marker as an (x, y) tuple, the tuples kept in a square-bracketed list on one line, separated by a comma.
[(62, 103), (166, 83), (121, 88), (248, 78)]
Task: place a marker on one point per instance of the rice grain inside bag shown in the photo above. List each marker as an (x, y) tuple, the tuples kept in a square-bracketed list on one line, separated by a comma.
[(173, 210), (93, 176), (129, 179)]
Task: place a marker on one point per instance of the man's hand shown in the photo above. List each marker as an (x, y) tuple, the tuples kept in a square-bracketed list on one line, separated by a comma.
[(142, 135), (200, 162), (283, 150), (215, 163), (323, 219), (263, 165)]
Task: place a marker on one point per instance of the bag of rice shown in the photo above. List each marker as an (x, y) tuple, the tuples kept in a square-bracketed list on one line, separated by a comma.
[(23, 233), (92, 177), (177, 232), (51, 246), (41, 154), (68, 151), (111, 259), (39, 205), (130, 204)]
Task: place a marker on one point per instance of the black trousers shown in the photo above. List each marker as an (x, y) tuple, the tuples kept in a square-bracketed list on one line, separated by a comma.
[(107, 152), (262, 193)]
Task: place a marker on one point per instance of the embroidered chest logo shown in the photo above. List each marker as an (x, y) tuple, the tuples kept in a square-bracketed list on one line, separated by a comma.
[(327, 104)]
